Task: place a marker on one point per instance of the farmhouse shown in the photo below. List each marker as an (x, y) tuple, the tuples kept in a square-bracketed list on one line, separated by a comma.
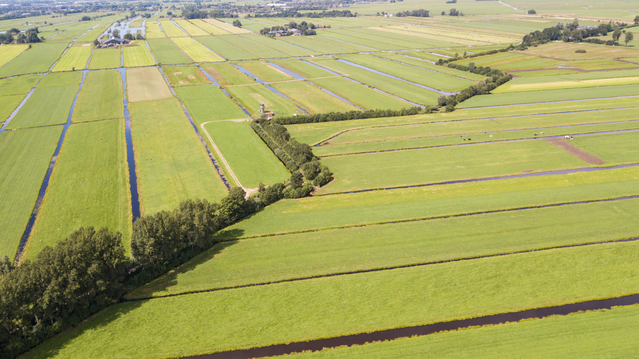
[(114, 41)]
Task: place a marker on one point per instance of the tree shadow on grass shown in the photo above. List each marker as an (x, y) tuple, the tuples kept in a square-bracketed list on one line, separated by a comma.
[(170, 279)]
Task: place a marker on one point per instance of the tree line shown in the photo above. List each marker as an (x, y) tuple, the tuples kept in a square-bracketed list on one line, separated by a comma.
[(346, 116), (415, 13), (27, 37), (311, 15), (305, 28), (572, 32), (480, 88)]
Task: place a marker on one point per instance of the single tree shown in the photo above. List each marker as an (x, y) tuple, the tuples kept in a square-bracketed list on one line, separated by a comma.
[(616, 35), (636, 20), (629, 37)]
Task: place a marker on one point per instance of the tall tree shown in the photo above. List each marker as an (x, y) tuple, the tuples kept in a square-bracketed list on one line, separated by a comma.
[(629, 37)]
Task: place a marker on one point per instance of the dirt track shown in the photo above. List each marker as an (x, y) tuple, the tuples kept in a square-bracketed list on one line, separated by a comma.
[(564, 145)]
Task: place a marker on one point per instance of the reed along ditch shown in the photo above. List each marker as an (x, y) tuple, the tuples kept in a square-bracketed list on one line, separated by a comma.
[(392, 334)]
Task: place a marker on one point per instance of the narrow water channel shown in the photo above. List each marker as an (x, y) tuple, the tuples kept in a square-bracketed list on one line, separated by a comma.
[(47, 176), (130, 154)]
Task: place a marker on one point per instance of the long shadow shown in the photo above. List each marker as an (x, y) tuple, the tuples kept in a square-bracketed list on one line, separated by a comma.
[(170, 279)]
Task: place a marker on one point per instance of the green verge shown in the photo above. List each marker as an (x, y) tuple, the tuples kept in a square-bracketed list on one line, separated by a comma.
[(185, 75), (264, 260), (249, 158), (584, 335), (321, 212), (311, 98), (172, 163), (24, 159), (137, 55), (251, 96), (105, 59), (37, 59), (76, 57), (445, 163), (100, 97), (166, 52), (361, 95), (208, 103), (46, 106), (89, 186), (328, 307)]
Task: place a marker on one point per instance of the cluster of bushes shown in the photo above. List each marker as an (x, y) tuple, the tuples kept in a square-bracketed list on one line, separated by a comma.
[(415, 13), (480, 70), (306, 29), (350, 115), (312, 15), (480, 88), (27, 37), (453, 12), (295, 156), (572, 32)]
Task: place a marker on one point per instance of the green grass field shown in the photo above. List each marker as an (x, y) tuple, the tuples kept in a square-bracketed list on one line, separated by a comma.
[(311, 98), (89, 186), (61, 79), (209, 103), (196, 51), (8, 104), (265, 71), (303, 69), (299, 311), (571, 81), (166, 52), (443, 69), (171, 29), (46, 106), (251, 96), (361, 95), (185, 75), (24, 159), (18, 85), (319, 46), (37, 59), (226, 74), (249, 158), (105, 59), (146, 84), (8, 53), (211, 29), (173, 164), (75, 58), (257, 50), (100, 97), (280, 46), (445, 163), (138, 54), (153, 31), (224, 48), (582, 335), (192, 29)]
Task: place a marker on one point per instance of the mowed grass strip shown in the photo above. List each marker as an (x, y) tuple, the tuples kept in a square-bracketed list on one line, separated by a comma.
[(353, 209), (137, 54), (37, 59), (153, 30), (146, 84), (211, 29), (24, 159), (8, 104), (327, 252), (196, 51), (166, 52), (172, 163), (361, 95), (89, 186), (389, 169), (8, 53), (209, 103), (76, 57), (596, 79), (192, 29), (226, 74), (100, 97), (249, 158), (251, 96), (171, 29), (303, 69), (227, 27), (105, 59), (581, 334), (301, 311), (225, 49), (311, 98), (46, 106), (61, 79), (185, 75), (265, 71)]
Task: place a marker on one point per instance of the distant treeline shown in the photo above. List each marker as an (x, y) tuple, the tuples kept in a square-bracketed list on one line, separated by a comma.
[(345, 116), (27, 37), (416, 13), (312, 15), (572, 32)]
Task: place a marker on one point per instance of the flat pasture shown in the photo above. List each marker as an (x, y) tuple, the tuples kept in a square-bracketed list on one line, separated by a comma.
[(105, 59), (318, 46), (196, 51), (303, 69), (361, 95), (89, 186), (331, 251), (612, 148), (184, 75), (281, 46), (171, 29), (46, 106), (427, 65), (225, 49), (211, 29), (100, 97), (571, 81), (311, 98), (406, 167), (137, 54), (61, 79), (8, 53), (173, 164), (191, 28), (257, 50), (24, 159), (251, 96), (166, 52), (37, 59), (265, 71), (227, 27), (145, 84), (153, 31), (209, 103), (249, 158), (8, 104), (18, 85), (566, 51), (226, 74), (299, 311)]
